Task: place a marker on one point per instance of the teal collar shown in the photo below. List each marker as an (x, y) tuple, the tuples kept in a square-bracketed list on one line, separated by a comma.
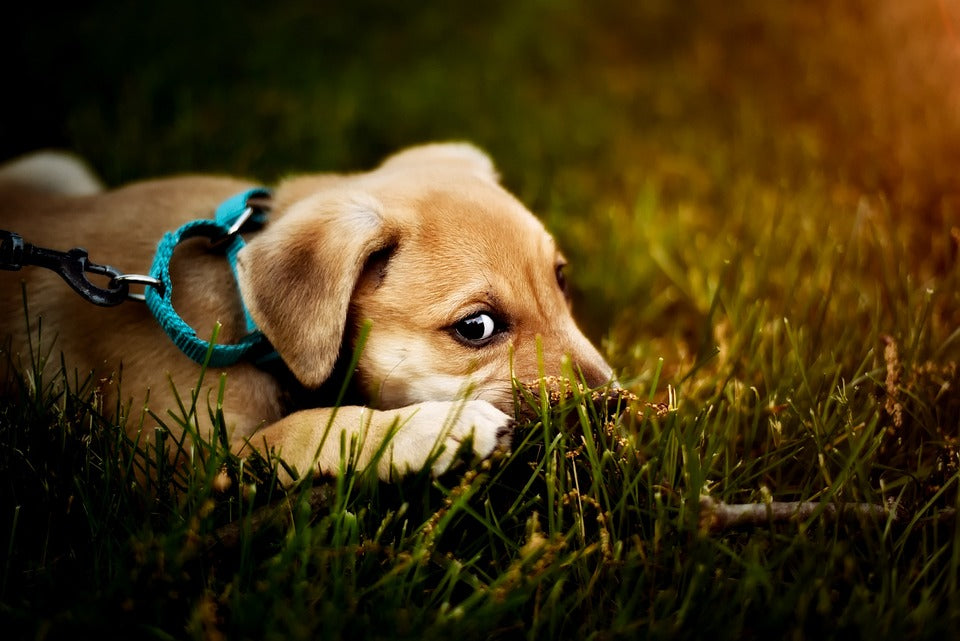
[(224, 233)]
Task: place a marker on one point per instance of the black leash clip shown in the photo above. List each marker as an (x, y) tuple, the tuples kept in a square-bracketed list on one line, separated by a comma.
[(73, 266)]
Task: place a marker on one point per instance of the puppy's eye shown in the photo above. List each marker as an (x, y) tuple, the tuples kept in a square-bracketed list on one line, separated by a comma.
[(478, 329), (562, 279)]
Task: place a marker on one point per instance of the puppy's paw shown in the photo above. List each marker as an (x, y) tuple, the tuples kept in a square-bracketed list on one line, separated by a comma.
[(488, 429), (437, 429)]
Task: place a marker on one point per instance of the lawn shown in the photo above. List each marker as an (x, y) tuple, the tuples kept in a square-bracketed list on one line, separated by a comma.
[(762, 218)]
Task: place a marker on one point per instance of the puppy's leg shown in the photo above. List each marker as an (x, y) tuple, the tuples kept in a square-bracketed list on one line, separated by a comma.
[(406, 439)]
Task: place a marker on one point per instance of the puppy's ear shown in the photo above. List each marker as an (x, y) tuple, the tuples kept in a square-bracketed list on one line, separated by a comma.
[(298, 275), (458, 155)]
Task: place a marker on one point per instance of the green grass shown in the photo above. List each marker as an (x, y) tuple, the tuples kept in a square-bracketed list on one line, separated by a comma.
[(759, 205)]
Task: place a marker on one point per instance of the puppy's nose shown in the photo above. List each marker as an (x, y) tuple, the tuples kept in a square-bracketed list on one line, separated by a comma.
[(597, 374)]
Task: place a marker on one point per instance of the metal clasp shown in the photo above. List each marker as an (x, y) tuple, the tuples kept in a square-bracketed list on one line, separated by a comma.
[(72, 265), (245, 217)]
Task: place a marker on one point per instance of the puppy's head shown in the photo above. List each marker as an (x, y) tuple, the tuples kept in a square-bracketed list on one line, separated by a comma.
[(463, 287)]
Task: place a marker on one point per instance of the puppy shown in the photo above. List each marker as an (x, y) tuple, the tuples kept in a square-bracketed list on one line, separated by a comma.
[(460, 287)]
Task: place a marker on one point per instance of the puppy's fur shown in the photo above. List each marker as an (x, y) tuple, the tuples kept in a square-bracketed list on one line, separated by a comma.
[(428, 248)]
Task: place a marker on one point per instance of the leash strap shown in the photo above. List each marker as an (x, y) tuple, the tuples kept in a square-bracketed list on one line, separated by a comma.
[(223, 232)]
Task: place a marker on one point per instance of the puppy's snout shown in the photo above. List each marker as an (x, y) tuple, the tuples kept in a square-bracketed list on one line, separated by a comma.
[(597, 374), (567, 354), (590, 364)]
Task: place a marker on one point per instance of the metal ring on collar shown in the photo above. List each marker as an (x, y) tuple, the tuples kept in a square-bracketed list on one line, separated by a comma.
[(138, 279)]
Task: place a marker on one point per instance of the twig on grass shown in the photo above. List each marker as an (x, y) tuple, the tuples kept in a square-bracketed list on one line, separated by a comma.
[(716, 516)]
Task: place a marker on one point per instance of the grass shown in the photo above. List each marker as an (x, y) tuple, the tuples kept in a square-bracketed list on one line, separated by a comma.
[(760, 209)]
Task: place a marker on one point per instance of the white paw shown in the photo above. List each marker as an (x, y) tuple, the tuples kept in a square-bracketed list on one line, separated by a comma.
[(435, 430)]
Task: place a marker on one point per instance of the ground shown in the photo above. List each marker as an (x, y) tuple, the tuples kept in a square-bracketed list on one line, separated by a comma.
[(759, 205)]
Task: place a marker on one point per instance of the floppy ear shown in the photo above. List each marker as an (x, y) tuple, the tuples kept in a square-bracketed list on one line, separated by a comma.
[(460, 155), (298, 275)]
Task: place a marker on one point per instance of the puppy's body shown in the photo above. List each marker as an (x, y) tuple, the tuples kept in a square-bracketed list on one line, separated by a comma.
[(458, 281)]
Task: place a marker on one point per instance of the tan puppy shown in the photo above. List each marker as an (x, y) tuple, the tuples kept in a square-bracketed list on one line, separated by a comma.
[(461, 285)]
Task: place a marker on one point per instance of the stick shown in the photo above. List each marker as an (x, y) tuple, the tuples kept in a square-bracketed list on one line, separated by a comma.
[(716, 516)]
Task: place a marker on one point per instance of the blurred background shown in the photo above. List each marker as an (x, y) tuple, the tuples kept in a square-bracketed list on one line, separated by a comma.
[(656, 138)]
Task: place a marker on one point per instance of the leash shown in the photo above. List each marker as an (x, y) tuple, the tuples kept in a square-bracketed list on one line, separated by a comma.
[(233, 216), (73, 266)]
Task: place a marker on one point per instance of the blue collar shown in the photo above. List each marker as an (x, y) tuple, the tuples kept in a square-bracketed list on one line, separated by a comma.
[(223, 231)]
